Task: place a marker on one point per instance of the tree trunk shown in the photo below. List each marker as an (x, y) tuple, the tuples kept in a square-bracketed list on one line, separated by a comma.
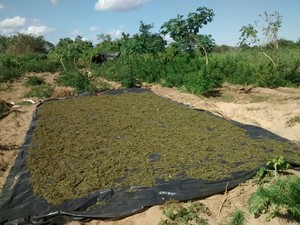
[(62, 63), (205, 54)]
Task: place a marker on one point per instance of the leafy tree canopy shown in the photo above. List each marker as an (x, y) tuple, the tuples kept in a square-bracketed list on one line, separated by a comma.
[(185, 31), (143, 42)]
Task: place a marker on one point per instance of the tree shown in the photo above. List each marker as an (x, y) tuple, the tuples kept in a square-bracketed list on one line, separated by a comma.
[(106, 44), (69, 50), (269, 29), (185, 31), (144, 42)]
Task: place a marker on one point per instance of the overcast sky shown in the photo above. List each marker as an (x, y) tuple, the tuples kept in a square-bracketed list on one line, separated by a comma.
[(57, 19)]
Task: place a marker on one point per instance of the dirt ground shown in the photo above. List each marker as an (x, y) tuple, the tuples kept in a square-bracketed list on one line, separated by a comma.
[(268, 108)]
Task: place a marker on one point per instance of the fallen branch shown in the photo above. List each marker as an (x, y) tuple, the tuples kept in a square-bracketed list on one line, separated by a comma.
[(224, 200)]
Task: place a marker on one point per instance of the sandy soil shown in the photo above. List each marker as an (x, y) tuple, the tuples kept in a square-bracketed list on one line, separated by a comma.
[(267, 108)]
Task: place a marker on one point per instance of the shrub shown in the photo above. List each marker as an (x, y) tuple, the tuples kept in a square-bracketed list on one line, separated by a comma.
[(280, 197), (40, 91), (77, 80), (9, 74), (203, 81)]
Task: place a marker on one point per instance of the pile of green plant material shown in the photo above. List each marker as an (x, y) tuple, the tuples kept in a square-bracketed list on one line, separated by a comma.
[(89, 143)]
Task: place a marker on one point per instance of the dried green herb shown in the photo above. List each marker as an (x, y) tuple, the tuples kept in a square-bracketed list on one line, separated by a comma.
[(89, 143)]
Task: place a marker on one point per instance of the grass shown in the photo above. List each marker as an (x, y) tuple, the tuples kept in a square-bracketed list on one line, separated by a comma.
[(237, 217)]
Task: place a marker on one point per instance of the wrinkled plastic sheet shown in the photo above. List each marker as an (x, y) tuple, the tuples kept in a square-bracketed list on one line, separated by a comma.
[(18, 204)]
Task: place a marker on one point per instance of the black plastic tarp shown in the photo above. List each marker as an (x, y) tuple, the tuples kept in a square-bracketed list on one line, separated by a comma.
[(18, 204)]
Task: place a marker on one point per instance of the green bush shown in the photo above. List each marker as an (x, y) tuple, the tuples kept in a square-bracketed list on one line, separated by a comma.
[(249, 67), (9, 68), (9, 74), (203, 81), (37, 63), (75, 79), (40, 91), (34, 81), (278, 198)]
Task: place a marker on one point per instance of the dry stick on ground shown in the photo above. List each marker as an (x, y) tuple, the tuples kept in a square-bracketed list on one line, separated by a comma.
[(9, 112), (224, 200)]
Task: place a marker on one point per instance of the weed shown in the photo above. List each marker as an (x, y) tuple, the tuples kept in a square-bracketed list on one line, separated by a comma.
[(177, 214), (292, 121), (278, 163), (279, 198), (40, 91), (275, 165), (237, 217)]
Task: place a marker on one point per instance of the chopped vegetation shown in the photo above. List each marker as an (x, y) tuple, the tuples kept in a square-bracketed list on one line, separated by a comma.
[(97, 142)]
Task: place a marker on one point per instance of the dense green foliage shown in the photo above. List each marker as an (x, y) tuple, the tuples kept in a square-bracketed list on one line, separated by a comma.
[(185, 31), (75, 79), (14, 66), (248, 67), (192, 62), (279, 198)]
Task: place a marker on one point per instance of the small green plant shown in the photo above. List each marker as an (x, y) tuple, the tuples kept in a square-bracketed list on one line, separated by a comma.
[(34, 81), (278, 163), (279, 198), (237, 217), (292, 121), (40, 91), (177, 214)]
